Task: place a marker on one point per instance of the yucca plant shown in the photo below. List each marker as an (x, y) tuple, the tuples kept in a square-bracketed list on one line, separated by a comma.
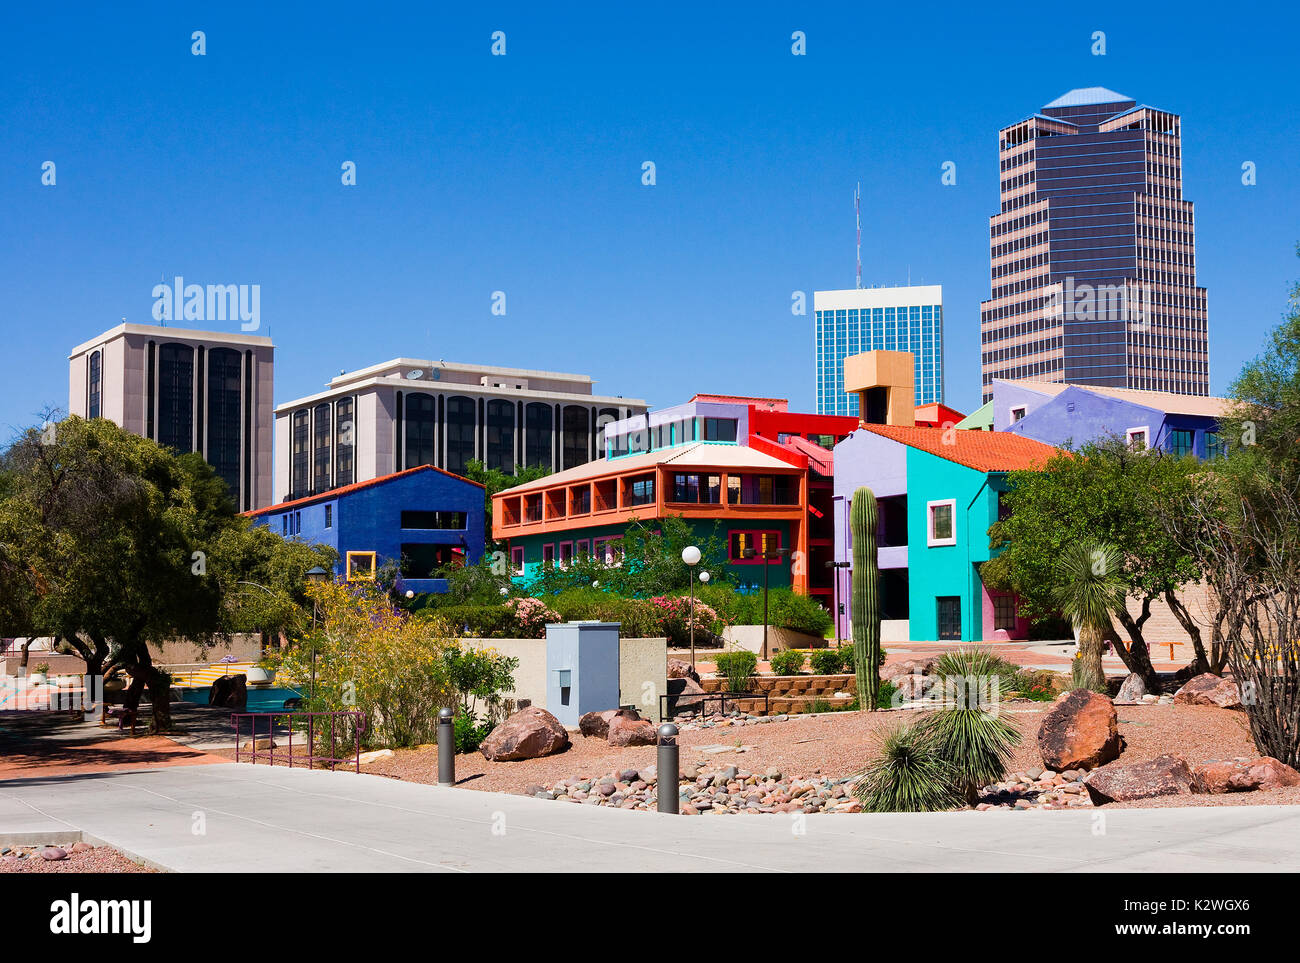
[(909, 775), (1090, 588), (975, 742), (974, 675)]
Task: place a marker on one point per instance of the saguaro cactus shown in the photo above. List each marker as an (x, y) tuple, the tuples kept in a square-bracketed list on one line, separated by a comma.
[(866, 597)]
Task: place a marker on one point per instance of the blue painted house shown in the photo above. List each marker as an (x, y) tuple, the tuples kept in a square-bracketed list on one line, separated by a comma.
[(1059, 413), (423, 517)]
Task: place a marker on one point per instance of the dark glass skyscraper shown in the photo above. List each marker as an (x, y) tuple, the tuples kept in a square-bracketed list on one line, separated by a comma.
[(1093, 251)]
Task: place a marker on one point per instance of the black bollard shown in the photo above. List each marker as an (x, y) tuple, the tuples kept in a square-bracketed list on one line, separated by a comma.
[(667, 771), (446, 747)]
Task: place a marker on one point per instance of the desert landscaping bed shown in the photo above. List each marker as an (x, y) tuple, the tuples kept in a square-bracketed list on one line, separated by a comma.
[(73, 858)]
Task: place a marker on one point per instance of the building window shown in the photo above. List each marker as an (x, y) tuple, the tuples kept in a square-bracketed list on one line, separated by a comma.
[(224, 417), (461, 422), (421, 415), (1018, 413), (93, 392), (767, 490), (538, 423), (284, 526), (566, 554), (1137, 438), (609, 550), (360, 566), (301, 455), (344, 441), (329, 516), (1180, 441), (582, 548), (176, 397), (761, 543), (719, 429), (422, 560), (641, 491), (1214, 445), (686, 488), (517, 560), (433, 520), (321, 459), (548, 555), (580, 499), (941, 528), (603, 417), (501, 436), (1004, 612), (576, 429)]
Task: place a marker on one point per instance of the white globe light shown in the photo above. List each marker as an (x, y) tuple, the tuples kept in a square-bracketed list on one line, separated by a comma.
[(691, 555), (704, 576), (410, 593)]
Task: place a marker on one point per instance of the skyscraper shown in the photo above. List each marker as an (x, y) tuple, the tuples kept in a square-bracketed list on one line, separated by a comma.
[(1093, 251), (204, 391), (869, 319)]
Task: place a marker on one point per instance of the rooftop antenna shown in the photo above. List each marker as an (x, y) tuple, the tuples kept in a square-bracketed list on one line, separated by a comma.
[(857, 212)]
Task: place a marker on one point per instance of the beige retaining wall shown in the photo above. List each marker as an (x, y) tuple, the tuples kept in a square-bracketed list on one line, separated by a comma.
[(642, 670), (751, 637)]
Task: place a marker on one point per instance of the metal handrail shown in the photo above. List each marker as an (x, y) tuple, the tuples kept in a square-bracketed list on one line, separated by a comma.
[(358, 718)]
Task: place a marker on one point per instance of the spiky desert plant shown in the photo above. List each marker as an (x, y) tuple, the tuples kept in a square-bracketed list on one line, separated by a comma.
[(908, 775), (977, 743), (1090, 588), (866, 596), (974, 671)]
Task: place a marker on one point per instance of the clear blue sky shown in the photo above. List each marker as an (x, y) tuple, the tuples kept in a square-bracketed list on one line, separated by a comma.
[(523, 174)]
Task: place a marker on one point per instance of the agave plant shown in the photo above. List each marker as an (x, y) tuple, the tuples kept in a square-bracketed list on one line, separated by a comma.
[(909, 775), (1090, 588)]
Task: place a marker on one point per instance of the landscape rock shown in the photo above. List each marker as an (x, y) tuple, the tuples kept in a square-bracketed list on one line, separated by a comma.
[(229, 691), (913, 686), (528, 734), (681, 669), (1080, 731), (1132, 691), (53, 853), (596, 723), (1208, 689), (367, 758), (1244, 775), (682, 689), (1165, 775), (627, 728), (258, 744)]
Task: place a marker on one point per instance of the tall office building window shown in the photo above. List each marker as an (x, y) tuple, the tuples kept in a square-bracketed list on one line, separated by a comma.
[(345, 441), (92, 397), (224, 419), (320, 448), (421, 425), (603, 417), (537, 434), (576, 428), (461, 424), (301, 453), (176, 397), (501, 435)]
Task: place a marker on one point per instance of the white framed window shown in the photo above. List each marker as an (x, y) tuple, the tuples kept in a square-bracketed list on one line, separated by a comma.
[(941, 522), (1139, 439), (1018, 412)]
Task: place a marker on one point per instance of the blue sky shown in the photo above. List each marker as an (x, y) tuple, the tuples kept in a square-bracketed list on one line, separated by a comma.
[(522, 174)]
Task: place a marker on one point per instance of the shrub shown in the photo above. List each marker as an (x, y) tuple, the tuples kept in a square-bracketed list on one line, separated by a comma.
[(908, 775), (469, 734), (830, 661), (737, 667), (479, 674), (788, 662), (477, 621), (531, 616), (976, 743), (885, 694), (990, 674), (674, 618)]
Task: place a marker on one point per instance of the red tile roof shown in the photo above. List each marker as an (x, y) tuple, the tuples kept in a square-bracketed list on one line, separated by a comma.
[(981, 450), (335, 492)]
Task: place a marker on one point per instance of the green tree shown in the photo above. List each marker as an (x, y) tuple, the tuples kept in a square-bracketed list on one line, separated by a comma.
[(1089, 591), (494, 480)]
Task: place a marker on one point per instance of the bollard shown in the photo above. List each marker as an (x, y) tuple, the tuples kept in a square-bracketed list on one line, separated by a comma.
[(446, 748), (667, 773)]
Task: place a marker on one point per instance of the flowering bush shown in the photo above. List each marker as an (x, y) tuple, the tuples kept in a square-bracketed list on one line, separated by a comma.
[(674, 617), (532, 616)]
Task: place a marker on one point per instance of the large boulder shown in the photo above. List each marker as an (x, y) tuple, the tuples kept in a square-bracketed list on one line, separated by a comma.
[(1244, 775), (680, 669), (1123, 782), (1080, 731), (596, 723), (913, 686), (528, 734), (627, 728), (229, 692), (684, 692), (1132, 691), (1208, 689)]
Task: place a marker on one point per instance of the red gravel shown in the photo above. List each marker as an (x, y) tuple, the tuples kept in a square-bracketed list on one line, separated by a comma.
[(97, 859)]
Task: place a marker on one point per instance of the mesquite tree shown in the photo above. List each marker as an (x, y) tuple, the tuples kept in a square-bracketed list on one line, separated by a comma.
[(866, 597)]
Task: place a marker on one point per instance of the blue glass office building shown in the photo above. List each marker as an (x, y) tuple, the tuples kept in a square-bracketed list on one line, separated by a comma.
[(868, 319)]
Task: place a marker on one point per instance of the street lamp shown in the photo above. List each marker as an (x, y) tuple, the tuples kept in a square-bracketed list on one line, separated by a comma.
[(835, 593), (691, 556), (315, 574), (768, 557)]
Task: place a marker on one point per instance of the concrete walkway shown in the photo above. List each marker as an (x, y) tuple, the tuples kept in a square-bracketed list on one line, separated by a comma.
[(230, 818)]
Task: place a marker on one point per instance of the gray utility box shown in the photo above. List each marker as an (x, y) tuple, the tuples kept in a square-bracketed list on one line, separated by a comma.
[(581, 669)]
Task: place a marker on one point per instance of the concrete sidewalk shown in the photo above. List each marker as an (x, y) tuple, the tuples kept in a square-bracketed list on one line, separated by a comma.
[(259, 818)]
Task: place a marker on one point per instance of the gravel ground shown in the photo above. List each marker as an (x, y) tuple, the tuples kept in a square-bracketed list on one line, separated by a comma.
[(94, 859)]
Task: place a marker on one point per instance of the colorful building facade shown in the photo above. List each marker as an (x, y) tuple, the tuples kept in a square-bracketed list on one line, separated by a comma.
[(424, 518), (937, 492)]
